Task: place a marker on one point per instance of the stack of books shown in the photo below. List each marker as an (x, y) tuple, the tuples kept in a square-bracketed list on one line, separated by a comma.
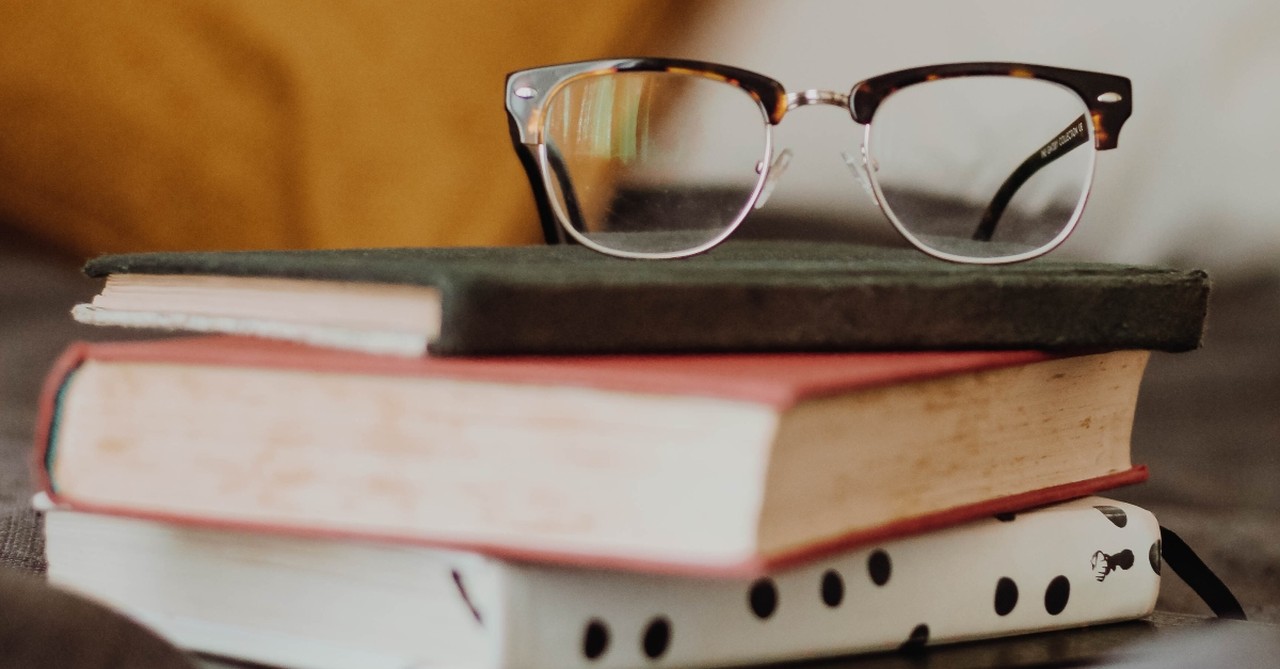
[(541, 457)]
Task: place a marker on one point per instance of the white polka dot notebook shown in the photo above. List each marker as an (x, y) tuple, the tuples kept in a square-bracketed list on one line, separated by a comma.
[(332, 604)]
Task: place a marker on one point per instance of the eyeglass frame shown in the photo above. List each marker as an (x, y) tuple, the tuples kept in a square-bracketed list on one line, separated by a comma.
[(1107, 97)]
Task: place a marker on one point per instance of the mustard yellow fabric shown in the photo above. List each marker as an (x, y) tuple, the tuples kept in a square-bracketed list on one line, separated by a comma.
[(235, 124)]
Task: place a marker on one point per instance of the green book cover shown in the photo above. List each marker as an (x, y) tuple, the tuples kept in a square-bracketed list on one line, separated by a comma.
[(754, 295)]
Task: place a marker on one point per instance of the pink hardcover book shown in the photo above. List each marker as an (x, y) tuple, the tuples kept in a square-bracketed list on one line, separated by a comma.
[(702, 464)]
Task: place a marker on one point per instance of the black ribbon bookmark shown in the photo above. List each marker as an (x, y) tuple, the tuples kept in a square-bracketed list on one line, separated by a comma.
[(1195, 573)]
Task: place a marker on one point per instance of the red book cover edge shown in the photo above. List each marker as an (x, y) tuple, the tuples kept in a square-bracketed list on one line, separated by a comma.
[(752, 567), (777, 379)]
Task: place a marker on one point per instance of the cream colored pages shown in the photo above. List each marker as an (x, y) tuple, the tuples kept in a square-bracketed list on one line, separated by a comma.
[(377, 318)]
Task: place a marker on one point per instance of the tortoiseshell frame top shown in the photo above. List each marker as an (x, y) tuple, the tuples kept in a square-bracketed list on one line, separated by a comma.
[(546, 81), (1106, 96)]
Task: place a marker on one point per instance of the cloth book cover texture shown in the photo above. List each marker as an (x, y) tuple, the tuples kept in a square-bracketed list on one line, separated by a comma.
[(256, 597), (717, 464), (741, 296)]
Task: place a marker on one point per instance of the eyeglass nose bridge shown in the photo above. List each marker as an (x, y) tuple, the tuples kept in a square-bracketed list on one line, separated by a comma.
[(816, 96)]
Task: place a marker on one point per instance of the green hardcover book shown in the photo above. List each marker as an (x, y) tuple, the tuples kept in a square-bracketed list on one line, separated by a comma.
[(755, 295)]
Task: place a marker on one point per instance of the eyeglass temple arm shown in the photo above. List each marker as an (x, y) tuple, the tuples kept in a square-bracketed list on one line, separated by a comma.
[(571, 208), (1071, 137), (552, 232)]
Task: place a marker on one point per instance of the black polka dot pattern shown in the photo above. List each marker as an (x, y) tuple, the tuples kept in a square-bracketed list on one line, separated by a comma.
[(763, 598), (657, 636), (595, 640), (1114, 514), (879, 567), (917, 640), (1006, 596), (832, 588), (1056, 595)]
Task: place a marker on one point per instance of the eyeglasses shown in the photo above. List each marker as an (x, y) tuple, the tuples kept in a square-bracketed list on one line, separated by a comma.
[(658, 158)]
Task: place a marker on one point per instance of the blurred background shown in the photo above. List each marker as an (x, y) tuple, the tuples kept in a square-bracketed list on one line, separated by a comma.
[(129, 125)]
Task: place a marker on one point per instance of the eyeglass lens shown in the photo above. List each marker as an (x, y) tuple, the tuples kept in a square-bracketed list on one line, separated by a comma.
[(982, 167), (653, 162)]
